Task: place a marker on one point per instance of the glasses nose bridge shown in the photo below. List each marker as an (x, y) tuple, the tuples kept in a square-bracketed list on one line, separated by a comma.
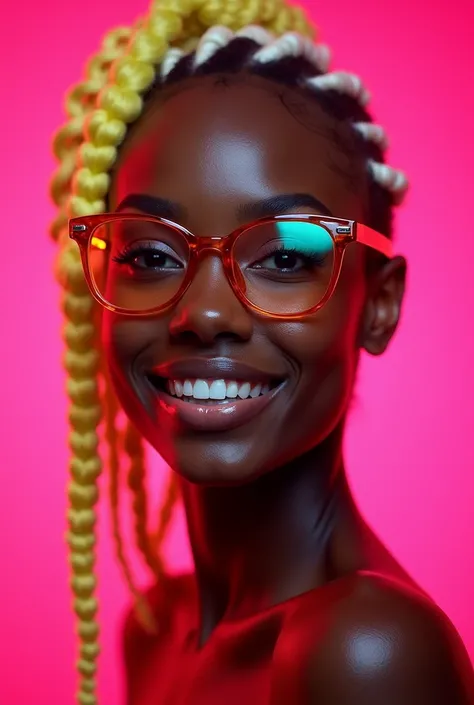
[(215, 243)]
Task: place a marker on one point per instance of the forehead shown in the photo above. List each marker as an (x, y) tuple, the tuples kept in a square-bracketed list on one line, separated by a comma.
[(211, 144)]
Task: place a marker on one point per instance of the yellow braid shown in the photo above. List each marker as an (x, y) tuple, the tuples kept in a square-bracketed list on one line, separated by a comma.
[(149, 543), (81, 101), (133, 446), (142, 608), (171, 495), (82, 363), (99, 110)]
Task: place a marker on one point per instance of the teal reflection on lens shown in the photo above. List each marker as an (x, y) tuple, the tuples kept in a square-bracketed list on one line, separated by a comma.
[(307, 238)]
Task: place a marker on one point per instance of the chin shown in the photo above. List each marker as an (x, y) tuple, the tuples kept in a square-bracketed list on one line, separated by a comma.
[(215, 460)]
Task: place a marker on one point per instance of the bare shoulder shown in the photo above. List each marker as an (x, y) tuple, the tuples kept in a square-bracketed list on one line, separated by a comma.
[(371, 639)]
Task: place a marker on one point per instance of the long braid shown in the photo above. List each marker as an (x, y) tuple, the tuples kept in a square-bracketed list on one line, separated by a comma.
[(148, 542), (133, 446), (82, 364), (112, 438), (171, 495)]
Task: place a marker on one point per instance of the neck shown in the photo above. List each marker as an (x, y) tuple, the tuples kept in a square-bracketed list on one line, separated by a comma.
[(268, 541)]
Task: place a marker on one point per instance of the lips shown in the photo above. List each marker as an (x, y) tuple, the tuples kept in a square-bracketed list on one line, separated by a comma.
[(181, 400), (215, 368)]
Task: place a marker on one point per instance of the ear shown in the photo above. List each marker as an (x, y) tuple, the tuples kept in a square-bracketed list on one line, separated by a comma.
[(385, 292)]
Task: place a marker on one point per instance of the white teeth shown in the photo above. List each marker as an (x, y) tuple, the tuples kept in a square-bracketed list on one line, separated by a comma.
[(232, 390), (187, 388), (200, 389), (255, 391), (244, 390), (216, 389)]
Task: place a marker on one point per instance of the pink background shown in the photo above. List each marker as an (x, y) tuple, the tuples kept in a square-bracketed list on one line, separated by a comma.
[(409, 448)]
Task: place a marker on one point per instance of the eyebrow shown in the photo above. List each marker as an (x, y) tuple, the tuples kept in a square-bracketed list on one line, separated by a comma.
[(281, 204), (152, 205), (275, 205)]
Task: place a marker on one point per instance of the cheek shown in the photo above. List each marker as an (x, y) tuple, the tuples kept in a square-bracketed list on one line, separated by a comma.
[(123, 341), (116, 343), (333, 332), (126, 343), (325, 350), (118, 346)]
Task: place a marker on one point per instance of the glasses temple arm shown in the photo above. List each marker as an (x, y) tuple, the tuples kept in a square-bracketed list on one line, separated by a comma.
[(371, 238)]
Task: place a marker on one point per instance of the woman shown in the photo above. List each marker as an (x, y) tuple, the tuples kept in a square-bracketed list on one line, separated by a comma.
[(237, 238)]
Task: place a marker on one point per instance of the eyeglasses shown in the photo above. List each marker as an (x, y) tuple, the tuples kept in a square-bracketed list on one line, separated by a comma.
[(285, 266)]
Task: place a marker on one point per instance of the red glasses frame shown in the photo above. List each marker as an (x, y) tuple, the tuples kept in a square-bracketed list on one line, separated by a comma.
[(343, 232)]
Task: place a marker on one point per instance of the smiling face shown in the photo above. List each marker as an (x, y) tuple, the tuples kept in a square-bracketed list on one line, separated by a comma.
[(215, 154)]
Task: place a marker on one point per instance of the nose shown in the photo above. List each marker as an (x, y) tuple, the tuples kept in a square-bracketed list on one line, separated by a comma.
[(210, 310)]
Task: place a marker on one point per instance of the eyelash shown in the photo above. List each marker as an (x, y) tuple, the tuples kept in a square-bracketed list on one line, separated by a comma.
[(134, 250), (313, 259)]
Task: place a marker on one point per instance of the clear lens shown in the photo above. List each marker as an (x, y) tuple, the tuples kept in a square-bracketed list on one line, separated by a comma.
[(287, 265), (138, 265)]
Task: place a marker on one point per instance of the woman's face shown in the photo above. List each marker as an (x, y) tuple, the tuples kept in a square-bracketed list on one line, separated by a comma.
[(215, 150)]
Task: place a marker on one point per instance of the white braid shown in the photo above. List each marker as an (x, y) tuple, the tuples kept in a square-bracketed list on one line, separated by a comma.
[(211, 41), (319, 55), (342, 82), (393, 180), (218, 37), (171, 58), (372, 133), (293, 44)]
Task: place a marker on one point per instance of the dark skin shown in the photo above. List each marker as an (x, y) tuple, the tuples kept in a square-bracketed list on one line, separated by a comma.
[(294, 601)]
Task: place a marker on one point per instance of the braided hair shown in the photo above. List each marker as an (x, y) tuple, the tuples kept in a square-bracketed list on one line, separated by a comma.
[(296, 62)]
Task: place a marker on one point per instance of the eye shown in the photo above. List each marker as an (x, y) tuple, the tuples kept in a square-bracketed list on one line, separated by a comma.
[(284, 249), (289, 260), (148, 256)]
